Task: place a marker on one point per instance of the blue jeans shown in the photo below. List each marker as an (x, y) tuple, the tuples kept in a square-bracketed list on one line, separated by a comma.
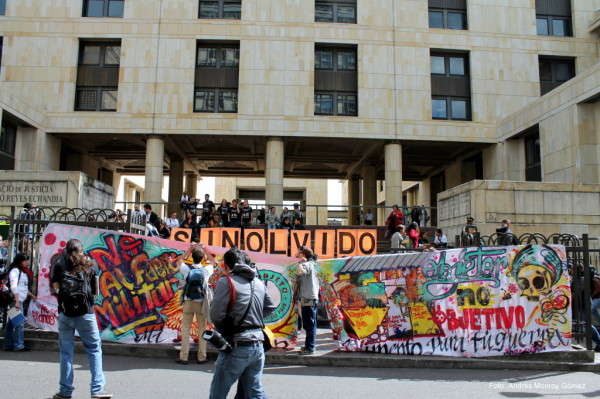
[(596, 311), (87, 327), (309, 323), (14, 336), (244, 363), (595, 335)]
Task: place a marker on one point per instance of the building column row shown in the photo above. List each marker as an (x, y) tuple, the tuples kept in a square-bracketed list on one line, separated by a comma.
[(274, 171)]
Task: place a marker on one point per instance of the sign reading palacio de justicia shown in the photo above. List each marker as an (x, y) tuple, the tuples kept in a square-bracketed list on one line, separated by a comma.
[(41, 193)]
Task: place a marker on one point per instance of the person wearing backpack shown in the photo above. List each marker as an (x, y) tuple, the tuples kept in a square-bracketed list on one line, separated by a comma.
[(18, 292), (74, 284), (238, 309), (196, 297)]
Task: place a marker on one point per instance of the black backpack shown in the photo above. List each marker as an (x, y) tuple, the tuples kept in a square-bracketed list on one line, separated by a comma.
[(74, 294)]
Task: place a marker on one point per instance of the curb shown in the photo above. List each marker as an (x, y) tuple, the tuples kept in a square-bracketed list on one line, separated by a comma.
[(574, 361)]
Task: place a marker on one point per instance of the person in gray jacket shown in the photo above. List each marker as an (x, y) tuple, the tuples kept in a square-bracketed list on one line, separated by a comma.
[(240, 303), (308, 283)]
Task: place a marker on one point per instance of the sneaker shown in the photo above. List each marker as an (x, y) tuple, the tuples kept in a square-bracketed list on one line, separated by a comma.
[(184, 362), (102, 395), (25, 349), (61, 396), (305, 351)]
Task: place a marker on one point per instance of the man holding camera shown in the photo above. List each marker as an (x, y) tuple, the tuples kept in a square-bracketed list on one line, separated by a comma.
[(239, 306)]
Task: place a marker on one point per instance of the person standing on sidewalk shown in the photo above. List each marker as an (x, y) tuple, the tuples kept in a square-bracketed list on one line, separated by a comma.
[(19, 282), (74, 283), (238, 309), (309, 296), (196, 297)]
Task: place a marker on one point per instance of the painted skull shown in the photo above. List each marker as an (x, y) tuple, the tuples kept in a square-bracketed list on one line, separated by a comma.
[(534, 281), (536, 269)]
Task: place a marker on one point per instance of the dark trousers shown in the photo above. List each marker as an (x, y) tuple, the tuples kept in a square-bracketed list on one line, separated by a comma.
[(309, 323)]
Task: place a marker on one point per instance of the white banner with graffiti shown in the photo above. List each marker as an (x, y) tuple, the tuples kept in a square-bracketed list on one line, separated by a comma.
[(459, 302), (139, 300)]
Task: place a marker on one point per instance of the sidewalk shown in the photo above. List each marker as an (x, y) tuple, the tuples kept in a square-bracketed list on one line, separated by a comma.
[(325, 355)]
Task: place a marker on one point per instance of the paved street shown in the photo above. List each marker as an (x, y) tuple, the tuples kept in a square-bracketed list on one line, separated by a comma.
[(34, 376)]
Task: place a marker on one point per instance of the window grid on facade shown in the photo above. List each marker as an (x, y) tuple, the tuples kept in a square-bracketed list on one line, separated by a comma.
[(448, 14), (98, 76), (103, 8), (553, 18), (339, 11), (2, 7), (450, 86), (220, 9), (336, 91), (555, 71), (217, 74)]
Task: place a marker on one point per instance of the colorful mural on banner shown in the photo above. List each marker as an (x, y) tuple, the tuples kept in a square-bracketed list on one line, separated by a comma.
[(459, 302), (139, 301)]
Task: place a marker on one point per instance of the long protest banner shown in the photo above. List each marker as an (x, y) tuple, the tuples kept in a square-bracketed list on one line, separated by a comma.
[(325, 243), (458, 302), (139, 300)]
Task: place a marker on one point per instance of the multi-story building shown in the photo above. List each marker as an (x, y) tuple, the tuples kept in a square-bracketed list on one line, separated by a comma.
[(438, 92)]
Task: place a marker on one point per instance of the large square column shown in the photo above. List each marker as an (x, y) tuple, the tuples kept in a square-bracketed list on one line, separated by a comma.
[(274, 164), (191, 185), (175, 184), (155, 152), (353, 200), (393, 175), (369, 175), (36, 151)]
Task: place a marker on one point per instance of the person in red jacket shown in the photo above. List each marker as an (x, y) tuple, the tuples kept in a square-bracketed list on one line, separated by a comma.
[(414, 233), (395, 219)]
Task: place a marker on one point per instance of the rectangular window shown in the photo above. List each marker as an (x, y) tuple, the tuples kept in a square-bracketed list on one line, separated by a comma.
[(217, 72), (103, 8), (2, 7), (8, 138), (448, 14), (553, 18), (98, 76), (450, 86), (554, 71), (220, 9), (340, 11), (336, 80), (533, 157)]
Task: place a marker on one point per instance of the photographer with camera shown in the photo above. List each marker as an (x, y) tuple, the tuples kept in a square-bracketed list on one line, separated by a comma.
[(239, 306)]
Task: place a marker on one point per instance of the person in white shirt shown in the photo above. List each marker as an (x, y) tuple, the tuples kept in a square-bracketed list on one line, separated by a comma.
[(397, 238), (172, 222), (14, 339), (440, 240)]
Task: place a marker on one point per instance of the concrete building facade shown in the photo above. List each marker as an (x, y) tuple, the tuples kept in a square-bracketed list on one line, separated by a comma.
[(436, 92)]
